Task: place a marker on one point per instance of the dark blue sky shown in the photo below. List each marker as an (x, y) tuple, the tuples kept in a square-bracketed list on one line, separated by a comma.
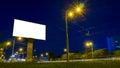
[(103, 16)]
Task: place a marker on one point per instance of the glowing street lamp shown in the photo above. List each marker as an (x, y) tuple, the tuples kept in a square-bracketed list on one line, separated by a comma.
[(20, 49), (21, 52), (8, 43), (46, 54), (79, 9), (88, 44), (19, 38), (69, 14), (65, 50)]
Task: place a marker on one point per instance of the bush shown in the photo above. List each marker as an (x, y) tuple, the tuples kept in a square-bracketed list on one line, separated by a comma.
[(86, 55), (102, 53), (117, 53)]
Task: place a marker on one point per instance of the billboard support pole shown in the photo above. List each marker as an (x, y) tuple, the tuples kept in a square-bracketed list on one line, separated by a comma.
[(29, 50)]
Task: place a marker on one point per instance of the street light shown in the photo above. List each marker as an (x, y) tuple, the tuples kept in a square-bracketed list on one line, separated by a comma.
[(79, 9), (70, 14), (41, 55), (19, 38), (1, 49), (65, 50), (46, 54), (89, 44), (8, 43), (20, 49)]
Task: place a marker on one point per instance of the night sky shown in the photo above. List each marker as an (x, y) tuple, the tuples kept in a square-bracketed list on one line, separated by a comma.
[(102, 18)]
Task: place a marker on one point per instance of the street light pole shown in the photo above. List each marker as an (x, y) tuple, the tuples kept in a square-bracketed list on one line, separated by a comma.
[(90, 45), (14, 40), (13, 46), (67, 38), (79, 9), (92, 51)]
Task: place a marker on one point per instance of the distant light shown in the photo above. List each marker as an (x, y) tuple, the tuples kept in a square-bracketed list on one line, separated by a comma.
[(65, 50), (8, 43), (20, 49), (41, 55), (19, 38), (46, 54)]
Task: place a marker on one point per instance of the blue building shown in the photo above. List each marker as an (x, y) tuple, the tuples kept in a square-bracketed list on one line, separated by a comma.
[(113, 43)]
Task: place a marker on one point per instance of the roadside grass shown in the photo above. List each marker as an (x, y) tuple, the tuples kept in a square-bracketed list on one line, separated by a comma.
[(82, 64)]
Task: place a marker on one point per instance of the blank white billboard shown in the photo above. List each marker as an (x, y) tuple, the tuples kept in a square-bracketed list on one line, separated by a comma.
[(29, 30)]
